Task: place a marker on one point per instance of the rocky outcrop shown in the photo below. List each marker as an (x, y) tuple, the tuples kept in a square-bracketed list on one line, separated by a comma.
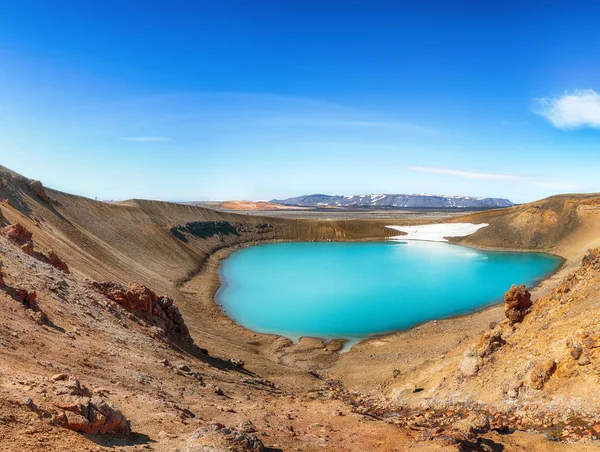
[(517, 302), (475, 356), (158, 310), (87, 413), (541, 373), (38, 189), (17, 234), (218, 229), (53, 259), (1, 275), (591, 259)]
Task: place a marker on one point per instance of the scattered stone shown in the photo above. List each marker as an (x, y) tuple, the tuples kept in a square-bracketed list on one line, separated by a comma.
[(218, 391), (576, 351), (227, 438), (512, 388), (217, 426), (247, 427), (584, 360)]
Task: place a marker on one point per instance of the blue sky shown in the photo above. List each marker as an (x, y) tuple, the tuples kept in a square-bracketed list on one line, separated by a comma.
[(185, 100)]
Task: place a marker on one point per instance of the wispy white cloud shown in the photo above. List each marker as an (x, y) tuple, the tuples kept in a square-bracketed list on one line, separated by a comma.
[(327, 122), (571, 111), (543, 182), (464, 174), (560, 185), (266, 110), (146, 139)]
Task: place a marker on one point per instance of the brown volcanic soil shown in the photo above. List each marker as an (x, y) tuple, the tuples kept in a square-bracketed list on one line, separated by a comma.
[(293, 394)]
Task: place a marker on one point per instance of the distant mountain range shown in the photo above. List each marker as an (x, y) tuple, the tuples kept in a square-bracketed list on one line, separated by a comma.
[(397, 201)]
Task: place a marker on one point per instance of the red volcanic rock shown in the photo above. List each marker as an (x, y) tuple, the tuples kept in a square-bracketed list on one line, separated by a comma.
[(18, 234), (88, 414), (140, 298), (53, 259), (517, 302), (159, 310)]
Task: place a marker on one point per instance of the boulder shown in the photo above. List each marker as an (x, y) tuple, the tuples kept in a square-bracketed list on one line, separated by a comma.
[(489, 342), (473, 425), (541, 373), (86, 413), (517, 302), (470, 364), (1, 276)]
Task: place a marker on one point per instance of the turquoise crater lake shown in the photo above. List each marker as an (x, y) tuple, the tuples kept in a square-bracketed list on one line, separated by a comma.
[(353, 290)]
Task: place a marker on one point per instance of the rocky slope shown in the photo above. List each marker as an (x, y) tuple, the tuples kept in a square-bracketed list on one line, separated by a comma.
[(397, 201), (110, 340)]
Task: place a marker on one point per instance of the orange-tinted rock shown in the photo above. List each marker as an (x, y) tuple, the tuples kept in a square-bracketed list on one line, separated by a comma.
[(541, 373), (19, 235), (591, 259), (140, 298), (53, 259), (91, 415), (489, 342), (517, 302)]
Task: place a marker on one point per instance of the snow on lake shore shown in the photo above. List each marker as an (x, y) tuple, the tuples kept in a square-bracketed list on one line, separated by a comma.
[(436, 232)]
